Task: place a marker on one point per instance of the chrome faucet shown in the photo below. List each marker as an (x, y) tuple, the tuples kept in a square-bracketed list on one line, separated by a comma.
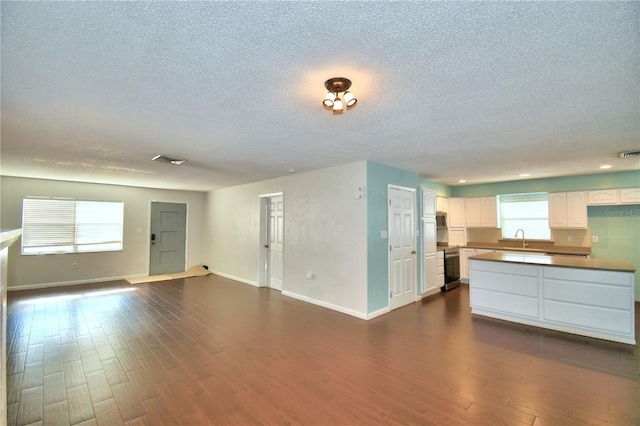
[(524, 244)]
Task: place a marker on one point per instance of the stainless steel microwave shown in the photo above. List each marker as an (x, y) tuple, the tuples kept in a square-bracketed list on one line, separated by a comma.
[(441, 220)]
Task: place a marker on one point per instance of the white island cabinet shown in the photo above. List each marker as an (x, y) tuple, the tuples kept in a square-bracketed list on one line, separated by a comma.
[(590, 297), (7, 237)]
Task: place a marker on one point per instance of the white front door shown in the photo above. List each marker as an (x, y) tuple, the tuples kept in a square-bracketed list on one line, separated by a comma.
[(275, 242), (402, 247)]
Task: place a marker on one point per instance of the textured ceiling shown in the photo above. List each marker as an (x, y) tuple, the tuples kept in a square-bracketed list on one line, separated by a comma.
[(482, 91)]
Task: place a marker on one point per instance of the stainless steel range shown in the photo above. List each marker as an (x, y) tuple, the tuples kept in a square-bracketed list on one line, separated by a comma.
[(451, 268)]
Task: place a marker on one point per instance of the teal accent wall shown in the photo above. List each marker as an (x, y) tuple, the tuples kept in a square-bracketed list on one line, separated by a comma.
[(379, 177), (618, 231), (569, 183), (442, 190)]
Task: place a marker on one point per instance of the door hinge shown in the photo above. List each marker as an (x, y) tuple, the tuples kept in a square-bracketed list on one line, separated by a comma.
[(391, 294), (389, 248)]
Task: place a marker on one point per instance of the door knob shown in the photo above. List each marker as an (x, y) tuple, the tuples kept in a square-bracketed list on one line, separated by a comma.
[(413, 252), (266, 246)]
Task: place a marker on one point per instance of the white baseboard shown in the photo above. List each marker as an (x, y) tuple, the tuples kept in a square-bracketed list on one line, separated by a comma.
[(430, 292), (378, 313), (67, 283), (325, 305), (231, 277)]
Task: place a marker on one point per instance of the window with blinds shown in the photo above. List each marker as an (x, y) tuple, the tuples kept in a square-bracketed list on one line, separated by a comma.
[(529, 212), (52, 225)]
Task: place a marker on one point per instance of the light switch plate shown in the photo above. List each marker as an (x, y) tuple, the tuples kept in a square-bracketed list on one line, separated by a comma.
[(383, 234)]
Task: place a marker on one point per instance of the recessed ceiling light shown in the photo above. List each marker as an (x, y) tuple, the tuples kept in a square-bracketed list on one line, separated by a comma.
[(292, 170), (525, 174), (605, 166), (461, 181)]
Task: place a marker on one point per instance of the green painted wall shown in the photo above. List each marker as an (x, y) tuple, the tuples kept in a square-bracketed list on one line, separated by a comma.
[(379, 177), (441, 189), (569, 183), (618, 231)]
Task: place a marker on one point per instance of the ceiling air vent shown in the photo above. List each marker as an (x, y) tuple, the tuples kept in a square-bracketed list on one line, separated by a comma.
[(170, 160), (627, 154)]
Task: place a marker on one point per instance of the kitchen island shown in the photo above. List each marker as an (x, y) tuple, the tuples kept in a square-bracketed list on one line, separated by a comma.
[(7, 237), (590, 297)]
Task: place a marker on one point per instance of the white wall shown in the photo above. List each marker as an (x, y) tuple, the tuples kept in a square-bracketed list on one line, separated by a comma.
[(317, 204), (56, 269)]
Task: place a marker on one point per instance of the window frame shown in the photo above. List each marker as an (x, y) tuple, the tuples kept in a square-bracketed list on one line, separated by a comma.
[(53, 225), (537, 233)]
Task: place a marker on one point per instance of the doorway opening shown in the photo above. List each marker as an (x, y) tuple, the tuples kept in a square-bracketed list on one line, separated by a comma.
[(272, 241)]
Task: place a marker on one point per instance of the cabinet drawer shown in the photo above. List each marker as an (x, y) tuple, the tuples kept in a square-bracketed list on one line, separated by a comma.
[(588, 316)]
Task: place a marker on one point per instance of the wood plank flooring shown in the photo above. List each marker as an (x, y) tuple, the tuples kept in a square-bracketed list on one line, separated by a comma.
[(208, 350)]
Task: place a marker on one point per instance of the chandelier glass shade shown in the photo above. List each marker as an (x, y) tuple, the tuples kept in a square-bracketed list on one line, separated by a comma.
[(332, 100)]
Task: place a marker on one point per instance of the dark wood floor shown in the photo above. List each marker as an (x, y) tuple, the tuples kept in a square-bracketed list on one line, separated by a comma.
[(212, 351)]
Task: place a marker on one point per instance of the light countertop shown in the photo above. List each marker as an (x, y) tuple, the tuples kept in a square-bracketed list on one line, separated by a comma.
[(9, 236), (539, 248), (559, 261)]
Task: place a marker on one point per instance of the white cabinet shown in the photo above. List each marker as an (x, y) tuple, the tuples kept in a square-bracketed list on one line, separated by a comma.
[(590, 302), (473, 212), (430, 261), (489, 212), (568, 210), (457, 213), (442, 204), (603, 197), (481, 212), (440, 258), (630, 196), (428, 203), (610, 197), (465, 254), (457, 236)]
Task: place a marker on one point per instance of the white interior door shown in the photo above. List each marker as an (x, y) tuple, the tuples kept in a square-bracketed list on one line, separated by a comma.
[(275, 242), (402, 247), (168, 238)]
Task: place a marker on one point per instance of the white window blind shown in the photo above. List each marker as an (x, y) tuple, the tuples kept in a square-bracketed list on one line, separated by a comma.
[(529, 212), (71, 226)]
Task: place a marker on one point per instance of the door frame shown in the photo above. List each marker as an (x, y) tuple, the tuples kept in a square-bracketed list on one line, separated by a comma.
[(263, 280), (415, 242), (186, 230)]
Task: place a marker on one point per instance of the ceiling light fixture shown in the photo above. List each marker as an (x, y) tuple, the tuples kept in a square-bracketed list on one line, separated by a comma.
[(332, 100), (605, 166), (170, 160), (525, 175)]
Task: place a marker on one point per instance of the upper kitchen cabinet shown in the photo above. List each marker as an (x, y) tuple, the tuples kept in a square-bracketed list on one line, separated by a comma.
[(603, 197), (482, 212), (442, 204), (457, 213), (630, 196), (428, 202), (609, 197), (568, 210)]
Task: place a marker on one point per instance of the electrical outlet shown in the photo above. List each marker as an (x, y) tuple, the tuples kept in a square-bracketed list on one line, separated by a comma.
[(74, 266), (570, 238), (594, 239)]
